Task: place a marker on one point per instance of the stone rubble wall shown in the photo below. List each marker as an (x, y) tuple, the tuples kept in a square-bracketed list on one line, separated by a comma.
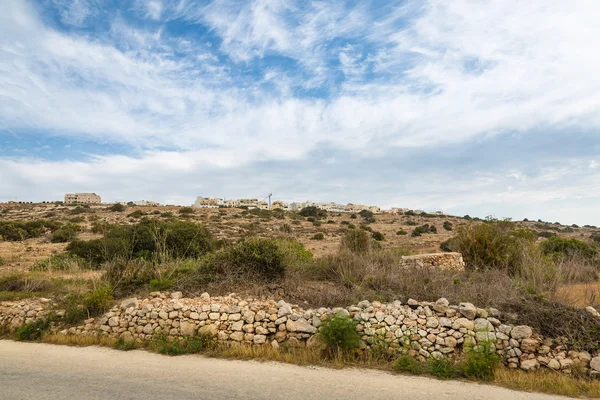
[(421, 329), (448, 261)]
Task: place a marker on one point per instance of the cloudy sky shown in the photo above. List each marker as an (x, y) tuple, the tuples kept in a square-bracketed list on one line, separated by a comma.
[(471, 107)]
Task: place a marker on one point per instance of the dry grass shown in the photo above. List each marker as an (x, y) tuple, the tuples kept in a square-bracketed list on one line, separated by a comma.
[(545, 381), (580, 294), (78, 340)]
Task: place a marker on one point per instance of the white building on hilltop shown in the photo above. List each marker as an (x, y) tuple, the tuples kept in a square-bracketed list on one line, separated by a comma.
[(82, 198)]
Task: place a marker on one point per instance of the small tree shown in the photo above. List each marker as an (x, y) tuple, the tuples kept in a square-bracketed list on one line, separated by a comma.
[(338, 333)]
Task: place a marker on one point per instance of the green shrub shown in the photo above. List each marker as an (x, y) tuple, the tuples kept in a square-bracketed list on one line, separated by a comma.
[(443, 368), (2, 261), (128, 276), (317, 223), (378, 236), (125, 345), (565, 247), (406, 363), (294, 253), (420, 230), (411, 223), (59, 262), (353, 216), (345, 223), (176, 347), (481, 364), (161, 285), (318, 236), (401, 232), (117, 207), (314, 212), (366, 228), (186, 210), (80, 210), (286, 228), (351, 226), (253, 258), (12, 231), (167, 214), (356, 241), (311, 219), (339, 333), (65, 234), (493, 244), (449, 245), (448, 225), (136, 214), (33, 331), (81, 306)]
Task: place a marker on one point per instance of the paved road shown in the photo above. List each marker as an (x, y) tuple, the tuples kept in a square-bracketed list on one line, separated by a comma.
[(41, 371)]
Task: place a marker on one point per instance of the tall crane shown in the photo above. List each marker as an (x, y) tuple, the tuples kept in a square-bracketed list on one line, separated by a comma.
[(268, 197)]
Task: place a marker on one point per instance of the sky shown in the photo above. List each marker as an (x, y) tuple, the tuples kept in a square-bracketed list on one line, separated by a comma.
[(466, 106)]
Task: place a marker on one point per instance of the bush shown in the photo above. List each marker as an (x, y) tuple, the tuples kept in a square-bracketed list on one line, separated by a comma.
[(378, 236), (356, 241), (80, 210), (448, 225), (125, 345), (81, 306), (253, 258), (2, 261), (317, 223), (318, 236), (313, 211), (59, 262), (126, 277), (562, 247), (406, 363), (186, 210), (345, 223), (148, 239), (286, 228), (13, 231), (493, 244), (161, 285), (339, 333), (117, 207), (443, 368), (401, 232), (33, 331), (311, 219), (136, 214), (353, 216), (65, 234), (176, 347), (481, 364)]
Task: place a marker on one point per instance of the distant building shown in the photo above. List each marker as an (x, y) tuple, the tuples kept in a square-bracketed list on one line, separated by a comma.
[(82, 198), (146, 203), (207, 202)]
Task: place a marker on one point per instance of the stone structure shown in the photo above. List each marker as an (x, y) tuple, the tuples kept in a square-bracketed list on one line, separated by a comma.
[(82, 198), (450, 261), (421, 329)]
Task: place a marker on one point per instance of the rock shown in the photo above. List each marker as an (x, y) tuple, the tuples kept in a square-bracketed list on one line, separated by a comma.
[(450, 341), (468, 310), (595, 364), (205, 296), (446, 322), (163, 315), (300, 325), (441, 305), (176, 295), (127, 303), (284, 310), (194, 315), (113, 321), (529, 345), (259, 339), (592, 311), (463, 323), (432, 322), (554, 364), (521, 332), (237, 336), (187, 328), (237, 326), (148, 329), (530, 365), (565, 363), (483, 325), (209, 330), (379, 316)]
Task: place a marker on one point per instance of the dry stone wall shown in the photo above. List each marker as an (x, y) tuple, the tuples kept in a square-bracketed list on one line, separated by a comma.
[(449, 261), (422, 329)]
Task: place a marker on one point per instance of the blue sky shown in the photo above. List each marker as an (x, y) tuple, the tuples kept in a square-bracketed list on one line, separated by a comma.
[(471, 107)]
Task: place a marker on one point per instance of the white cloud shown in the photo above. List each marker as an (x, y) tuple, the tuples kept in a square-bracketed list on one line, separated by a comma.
[(441, 73)]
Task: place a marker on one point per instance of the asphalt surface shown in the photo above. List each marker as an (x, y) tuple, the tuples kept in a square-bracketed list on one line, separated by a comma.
[(42, 371)]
